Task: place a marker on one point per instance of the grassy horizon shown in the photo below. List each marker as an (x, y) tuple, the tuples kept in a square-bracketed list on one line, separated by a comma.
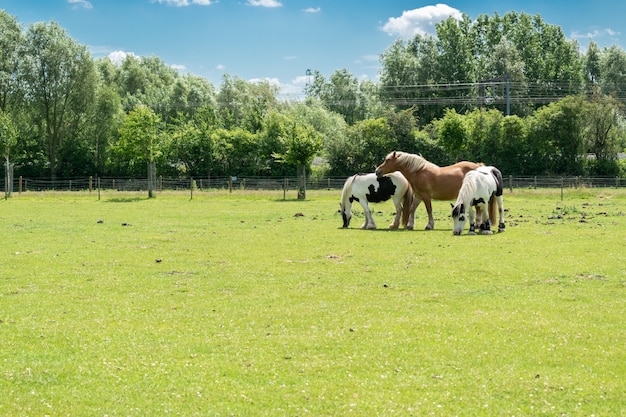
[(245, 304)]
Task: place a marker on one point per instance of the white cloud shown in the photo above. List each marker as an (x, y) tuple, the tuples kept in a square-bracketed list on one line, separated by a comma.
[(370, 58), (117, 57), (593, 34), (420, 21), (312, 10), (271, 81), (220, 67), (81, 3), (295, 88), (265, 3), (180, 68), (588, 35), (181, 3)]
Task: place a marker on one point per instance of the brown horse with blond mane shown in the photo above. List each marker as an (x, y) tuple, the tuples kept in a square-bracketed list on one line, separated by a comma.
[(429, 181)]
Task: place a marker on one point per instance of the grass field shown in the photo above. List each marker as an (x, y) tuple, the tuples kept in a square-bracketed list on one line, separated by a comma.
[(244, 304)]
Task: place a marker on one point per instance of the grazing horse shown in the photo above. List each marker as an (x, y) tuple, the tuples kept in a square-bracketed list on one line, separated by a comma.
[(429, 181), (369, 188), (480, 188)]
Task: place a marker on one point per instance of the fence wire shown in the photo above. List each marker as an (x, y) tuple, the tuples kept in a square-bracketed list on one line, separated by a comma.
[(19, 185)]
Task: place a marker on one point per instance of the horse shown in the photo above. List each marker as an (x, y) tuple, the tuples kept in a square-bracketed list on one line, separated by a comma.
[(429, 181), (481, 187), (370, 188)]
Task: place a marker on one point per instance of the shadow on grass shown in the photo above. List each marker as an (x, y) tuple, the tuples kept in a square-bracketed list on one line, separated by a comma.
[(398, 230), (125, 200)]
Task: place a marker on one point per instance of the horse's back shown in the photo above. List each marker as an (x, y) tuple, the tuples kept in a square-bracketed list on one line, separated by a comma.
[(488, 179), (444, 183), (377, 189)]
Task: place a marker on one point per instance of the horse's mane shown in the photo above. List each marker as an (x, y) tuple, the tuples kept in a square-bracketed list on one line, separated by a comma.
[(412, 162), (468, 189)]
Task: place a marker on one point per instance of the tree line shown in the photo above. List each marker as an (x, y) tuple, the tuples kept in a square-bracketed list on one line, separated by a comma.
[(507, 90)]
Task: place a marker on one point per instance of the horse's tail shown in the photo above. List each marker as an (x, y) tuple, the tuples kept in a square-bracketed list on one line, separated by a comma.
[(347, 187), (499, 181), (407, 204), (499, 190), (493, 210)]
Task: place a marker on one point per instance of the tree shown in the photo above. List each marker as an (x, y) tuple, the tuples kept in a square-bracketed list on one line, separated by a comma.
[(192, 148), (602, 128), (11, 42), (484, 132), (556, 138), (302, 144), (452, 134), (244, 104), (374, 139), (59, 81), (514, 150), (8, 139), (592, 64), (442, 72), (140, 140), (613, 72), (341, 94), (312, 112), (105, 126)]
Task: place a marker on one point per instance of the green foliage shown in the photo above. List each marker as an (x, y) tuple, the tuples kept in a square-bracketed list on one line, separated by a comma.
[(342, 94), (440, 96), (556, 132), (11, 40), (140, 140), (443, 71), (302, 143), (58, 79), (8, 135), (452, 134), (244, 105)]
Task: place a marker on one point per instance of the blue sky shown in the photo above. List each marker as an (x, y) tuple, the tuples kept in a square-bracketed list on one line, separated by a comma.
[(280, 39)]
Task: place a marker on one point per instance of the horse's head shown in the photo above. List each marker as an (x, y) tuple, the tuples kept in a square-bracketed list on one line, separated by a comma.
[(459, 216), (346, 213), (388, 165)]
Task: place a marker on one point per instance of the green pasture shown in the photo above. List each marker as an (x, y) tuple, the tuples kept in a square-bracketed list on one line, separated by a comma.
[(245, 304)]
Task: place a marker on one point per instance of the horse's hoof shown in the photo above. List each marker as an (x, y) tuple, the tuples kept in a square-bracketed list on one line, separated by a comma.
[(471, 233), (428, 227), (393, 226), (487, 232), (409, 228)]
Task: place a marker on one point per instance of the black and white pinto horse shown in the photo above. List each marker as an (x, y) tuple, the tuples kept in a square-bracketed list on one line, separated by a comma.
[(369, 188), (482, 189)]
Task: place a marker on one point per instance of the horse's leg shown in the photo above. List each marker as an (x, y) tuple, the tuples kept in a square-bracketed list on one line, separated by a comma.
[(479, 216), (397, 202), (369, 220), (472, 220), (411, 223), (501, 226), (485, 223), (429, 209)]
